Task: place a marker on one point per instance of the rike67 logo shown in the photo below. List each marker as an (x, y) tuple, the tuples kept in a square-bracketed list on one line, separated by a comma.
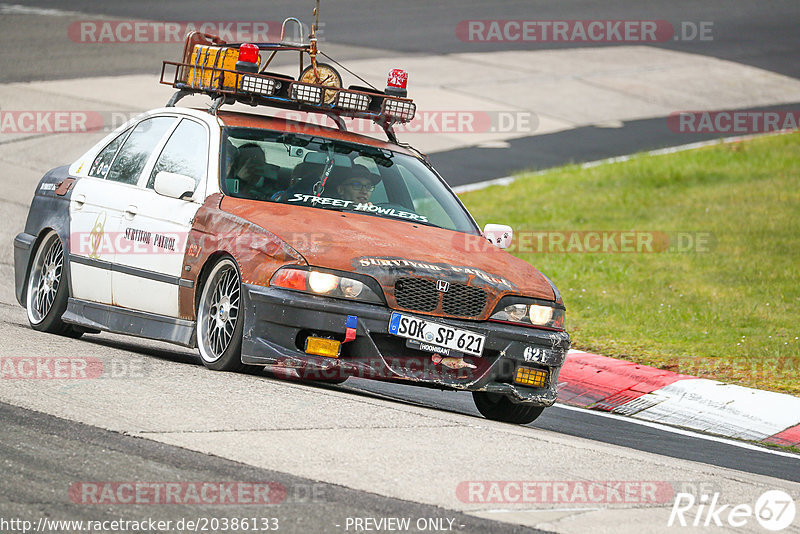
[(774, 510)]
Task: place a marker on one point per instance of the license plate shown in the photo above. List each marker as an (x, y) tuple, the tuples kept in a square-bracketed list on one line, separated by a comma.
[(436, 334)]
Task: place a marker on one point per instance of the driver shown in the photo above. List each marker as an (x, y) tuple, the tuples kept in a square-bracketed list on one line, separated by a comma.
[(250, 170), (354, 183)]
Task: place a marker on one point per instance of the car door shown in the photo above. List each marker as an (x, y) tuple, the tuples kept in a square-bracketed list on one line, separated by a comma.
[(98, 204), (147, 274)]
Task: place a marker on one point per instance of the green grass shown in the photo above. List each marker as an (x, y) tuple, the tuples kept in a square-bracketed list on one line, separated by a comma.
[(731, 312)]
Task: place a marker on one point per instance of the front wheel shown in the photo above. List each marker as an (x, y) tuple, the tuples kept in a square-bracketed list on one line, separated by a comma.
[(220, 318), (499, 407), (48, 292)]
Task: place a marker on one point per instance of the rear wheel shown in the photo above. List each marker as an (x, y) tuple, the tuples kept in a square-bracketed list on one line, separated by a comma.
[(47, 291), (220, 319), (501, 408)]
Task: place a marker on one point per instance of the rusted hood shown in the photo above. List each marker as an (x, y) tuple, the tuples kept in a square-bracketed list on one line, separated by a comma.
[(386, 248)]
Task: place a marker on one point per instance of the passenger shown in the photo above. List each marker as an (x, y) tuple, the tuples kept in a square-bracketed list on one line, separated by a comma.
[(252, 173)]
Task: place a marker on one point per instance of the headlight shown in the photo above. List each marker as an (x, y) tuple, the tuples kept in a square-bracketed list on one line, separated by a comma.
[(324, 283), (540, 315), (350, 288), (516, 312), (533, 314)]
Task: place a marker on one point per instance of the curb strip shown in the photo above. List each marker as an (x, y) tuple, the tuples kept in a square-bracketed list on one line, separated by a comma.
[(642, 392)]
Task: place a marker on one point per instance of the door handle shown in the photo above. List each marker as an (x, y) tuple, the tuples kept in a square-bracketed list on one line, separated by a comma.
[(79, 200), (131, 211)]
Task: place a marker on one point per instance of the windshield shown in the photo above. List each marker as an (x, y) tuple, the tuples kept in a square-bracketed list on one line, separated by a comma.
[(328, 174)]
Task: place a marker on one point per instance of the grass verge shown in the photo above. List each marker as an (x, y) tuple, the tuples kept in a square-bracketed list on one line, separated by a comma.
[(717, 292)]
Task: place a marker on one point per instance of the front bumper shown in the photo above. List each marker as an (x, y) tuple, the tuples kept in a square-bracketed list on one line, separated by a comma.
[(277, 322)]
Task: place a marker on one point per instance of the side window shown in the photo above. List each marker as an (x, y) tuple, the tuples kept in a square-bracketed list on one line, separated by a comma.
[(186, 153), (102, 162), (136, 150)]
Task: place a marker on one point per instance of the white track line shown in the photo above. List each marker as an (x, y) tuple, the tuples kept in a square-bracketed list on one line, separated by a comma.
[(17, 9), (680, 431)]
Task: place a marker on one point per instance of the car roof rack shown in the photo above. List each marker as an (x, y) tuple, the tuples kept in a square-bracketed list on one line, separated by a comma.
[(235, 72)]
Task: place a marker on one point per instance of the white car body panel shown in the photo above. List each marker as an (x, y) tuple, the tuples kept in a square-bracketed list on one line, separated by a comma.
[(93, 214), (160, 228), (136, 274)]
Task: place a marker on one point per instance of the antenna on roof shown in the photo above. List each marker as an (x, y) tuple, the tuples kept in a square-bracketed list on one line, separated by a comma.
[(313, 50), (316, 21)]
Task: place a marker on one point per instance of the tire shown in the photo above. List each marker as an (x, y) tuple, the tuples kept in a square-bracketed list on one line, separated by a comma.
[(499, 407), (47, 290), (220, 318)]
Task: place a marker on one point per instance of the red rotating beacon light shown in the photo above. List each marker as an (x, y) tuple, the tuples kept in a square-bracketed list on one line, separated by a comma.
[(396, 85), (248, 58)]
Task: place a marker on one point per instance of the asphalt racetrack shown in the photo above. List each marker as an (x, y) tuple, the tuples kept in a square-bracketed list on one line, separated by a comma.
[(361, 450)]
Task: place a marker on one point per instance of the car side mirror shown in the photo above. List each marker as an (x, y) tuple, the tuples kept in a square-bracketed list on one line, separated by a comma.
[(498, 235), (174, 185)]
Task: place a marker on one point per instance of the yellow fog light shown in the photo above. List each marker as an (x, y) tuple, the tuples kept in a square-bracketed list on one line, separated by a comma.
[(527, 376), (321, 346)]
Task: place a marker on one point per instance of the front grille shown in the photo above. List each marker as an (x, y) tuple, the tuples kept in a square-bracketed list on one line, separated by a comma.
[(420, 294), (416, 294), (464, 301)]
